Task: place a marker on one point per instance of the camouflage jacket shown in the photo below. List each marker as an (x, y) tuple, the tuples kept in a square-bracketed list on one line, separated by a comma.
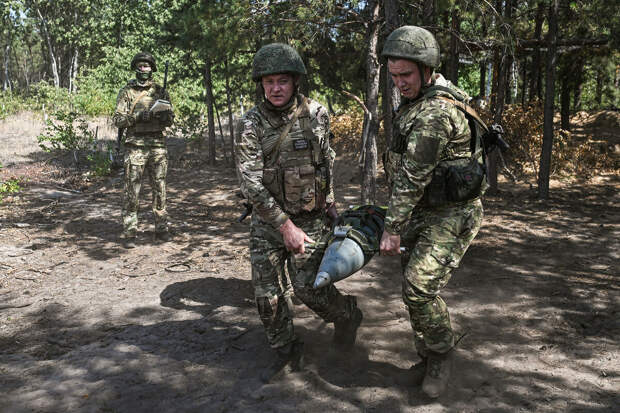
[(296, 178), (427, 132), (141, 98)]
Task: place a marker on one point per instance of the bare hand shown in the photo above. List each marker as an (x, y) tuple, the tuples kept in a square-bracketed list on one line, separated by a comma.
[(390, 244), (294, 237)]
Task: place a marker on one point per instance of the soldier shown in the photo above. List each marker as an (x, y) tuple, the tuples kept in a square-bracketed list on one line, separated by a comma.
[(431, 140), (145, 145), (284, 164)]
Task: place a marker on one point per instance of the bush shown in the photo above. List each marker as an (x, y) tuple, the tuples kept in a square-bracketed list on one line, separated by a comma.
[(571, 156), (347, 130), (11, 104), (100, 163), (66, 130)]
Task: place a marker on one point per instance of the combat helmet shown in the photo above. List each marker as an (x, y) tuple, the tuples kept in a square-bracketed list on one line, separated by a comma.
[(276, 58), (144, 57), (413, 43)]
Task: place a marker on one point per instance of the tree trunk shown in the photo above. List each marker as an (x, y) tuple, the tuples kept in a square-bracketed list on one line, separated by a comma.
[(6, 83), (50, 49), (497, 104), (391, 98), (483, 79), (509, 62), (210, 103), (73, 71), (428, 13), (524, 82), (577, 84), (547, 145), (453, 62), (219, 124), (599, 86), (371, 120), (231, 126), (565, 86), (535, 80)]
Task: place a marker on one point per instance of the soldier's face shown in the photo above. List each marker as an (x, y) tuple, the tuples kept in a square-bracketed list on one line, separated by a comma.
[(278, 88), (143, 67), (407, 77)]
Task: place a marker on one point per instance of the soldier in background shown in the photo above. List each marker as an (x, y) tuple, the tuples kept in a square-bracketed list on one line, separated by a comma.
[(284, 164), (145, 145), (427, 164)]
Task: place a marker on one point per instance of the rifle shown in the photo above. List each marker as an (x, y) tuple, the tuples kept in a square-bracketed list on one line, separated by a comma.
[(119, 140), (161, 105)]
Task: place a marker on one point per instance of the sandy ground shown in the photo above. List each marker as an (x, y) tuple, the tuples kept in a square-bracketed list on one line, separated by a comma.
[(86, 326)]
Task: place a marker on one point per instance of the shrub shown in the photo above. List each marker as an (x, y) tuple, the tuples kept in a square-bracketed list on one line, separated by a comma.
[(66, 130), (571, 156)]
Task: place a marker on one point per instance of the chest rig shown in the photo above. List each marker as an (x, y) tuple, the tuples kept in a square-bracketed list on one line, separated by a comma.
[(294, 171), (141, 100)]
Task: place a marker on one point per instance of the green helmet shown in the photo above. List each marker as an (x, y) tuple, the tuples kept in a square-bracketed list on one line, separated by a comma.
[(413, 43), (276, 58), (143, 57)]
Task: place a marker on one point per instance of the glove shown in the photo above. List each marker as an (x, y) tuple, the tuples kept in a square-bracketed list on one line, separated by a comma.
[(163, 116), (144, 116)]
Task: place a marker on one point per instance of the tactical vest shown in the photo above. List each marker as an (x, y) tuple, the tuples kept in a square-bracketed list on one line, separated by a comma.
[(143, 101), (294, 172), (455, 180)]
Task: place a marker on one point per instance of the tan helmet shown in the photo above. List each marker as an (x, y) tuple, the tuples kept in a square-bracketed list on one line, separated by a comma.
[(276, 58), (413, 43)]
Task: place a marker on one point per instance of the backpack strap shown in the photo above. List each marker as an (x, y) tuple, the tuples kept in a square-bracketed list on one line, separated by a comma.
[(135, 102), (276, 148)]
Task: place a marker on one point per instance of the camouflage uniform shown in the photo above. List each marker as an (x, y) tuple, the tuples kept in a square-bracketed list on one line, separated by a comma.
[(145, 148), (429, 132), (293, 183)]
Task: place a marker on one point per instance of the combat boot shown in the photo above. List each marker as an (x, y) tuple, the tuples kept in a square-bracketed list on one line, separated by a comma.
[(418, 370), (438, 367), (129, 242), (345, 331), (289, 358), (163, 236)]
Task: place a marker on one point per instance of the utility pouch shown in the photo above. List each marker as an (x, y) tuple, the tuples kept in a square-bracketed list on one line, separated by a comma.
[(464, 182), (299, 189), (435, 191)]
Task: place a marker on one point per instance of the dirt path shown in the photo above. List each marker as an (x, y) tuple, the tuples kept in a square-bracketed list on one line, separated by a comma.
[(86, 326)]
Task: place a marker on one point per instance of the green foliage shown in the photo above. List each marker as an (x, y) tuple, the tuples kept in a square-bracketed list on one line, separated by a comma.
[(66, 131), (43, 95), (9, 186), (10, 104), (100, 163), (191, 127)]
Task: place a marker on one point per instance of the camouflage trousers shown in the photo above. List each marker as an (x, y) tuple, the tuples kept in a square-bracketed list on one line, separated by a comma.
[(436, 240), (155, 161), (269, 257)]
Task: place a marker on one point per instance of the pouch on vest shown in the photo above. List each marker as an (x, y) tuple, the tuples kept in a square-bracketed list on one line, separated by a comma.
[(299, 188), (464, 182)]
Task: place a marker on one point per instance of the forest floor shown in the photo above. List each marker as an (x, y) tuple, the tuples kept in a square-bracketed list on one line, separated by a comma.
[(87, 326)]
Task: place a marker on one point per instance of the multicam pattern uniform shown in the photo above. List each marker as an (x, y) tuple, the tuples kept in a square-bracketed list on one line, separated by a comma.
[(434, 132), (145, 148), (296, 185)]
